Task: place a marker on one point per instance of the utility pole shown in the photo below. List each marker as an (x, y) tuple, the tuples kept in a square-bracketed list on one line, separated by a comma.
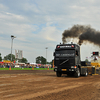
[(46, 54), (12, 37)]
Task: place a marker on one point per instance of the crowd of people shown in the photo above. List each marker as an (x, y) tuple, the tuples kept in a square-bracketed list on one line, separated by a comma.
[(23, 65)]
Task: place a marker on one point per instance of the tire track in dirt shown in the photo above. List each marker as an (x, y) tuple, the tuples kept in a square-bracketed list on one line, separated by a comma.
[(46, 86), (32, 95)]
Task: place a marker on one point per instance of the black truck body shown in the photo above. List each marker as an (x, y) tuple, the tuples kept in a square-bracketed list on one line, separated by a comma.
[(67, 60)]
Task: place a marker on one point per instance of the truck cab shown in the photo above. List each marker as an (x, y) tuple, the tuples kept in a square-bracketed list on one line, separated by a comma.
[(67, 60)]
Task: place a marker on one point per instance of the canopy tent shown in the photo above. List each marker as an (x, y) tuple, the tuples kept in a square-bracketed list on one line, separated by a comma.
[(33, 63), (39, 64), (1, 62)]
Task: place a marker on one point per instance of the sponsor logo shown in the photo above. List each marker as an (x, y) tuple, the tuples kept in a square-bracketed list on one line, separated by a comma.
[(65, 46), (62, 55)]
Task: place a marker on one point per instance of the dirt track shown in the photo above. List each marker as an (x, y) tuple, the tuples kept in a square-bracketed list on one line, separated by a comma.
[(44, 85)]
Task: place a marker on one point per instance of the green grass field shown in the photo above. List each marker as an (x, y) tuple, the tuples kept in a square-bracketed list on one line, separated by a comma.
[(26, 68)]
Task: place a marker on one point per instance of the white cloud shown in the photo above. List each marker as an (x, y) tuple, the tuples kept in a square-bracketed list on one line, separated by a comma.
[(3, 7), (50, 33), (39, 24)]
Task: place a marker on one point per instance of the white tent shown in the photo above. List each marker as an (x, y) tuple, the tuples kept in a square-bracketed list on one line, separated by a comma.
[(33, 63)]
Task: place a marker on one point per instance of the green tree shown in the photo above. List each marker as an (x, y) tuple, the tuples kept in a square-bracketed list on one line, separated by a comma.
[(86, 60), (49, 62), (8, 57), (40, 60), (0, 57), (23, 60)]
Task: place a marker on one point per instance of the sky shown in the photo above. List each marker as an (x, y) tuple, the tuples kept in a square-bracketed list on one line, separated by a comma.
[(38, 24)]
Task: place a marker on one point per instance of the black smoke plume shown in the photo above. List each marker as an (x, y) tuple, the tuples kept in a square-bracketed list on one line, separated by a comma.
[(83, 33)]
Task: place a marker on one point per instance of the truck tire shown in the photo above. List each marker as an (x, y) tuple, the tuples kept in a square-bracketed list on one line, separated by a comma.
[(58, 74), (86, 73), (77, 73)]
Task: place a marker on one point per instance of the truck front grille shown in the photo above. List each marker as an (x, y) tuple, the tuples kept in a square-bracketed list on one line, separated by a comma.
[(64, 62)]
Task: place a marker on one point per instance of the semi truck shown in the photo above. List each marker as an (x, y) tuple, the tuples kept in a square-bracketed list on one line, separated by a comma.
[(67, 60)]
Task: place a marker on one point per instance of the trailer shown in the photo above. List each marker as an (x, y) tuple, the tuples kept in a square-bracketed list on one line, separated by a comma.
[(67, 61)]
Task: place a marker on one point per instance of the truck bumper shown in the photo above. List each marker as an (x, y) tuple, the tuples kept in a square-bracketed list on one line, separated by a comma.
[(65, 70)]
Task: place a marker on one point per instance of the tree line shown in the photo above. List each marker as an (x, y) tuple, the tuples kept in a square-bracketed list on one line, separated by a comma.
[(8, 57), (42, 60), (39, 59)]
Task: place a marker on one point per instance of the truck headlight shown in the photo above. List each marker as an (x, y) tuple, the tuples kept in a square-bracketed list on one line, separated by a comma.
[(72, 66), (55, 67)]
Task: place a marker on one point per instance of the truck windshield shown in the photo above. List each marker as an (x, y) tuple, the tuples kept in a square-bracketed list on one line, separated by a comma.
[(65, 53)]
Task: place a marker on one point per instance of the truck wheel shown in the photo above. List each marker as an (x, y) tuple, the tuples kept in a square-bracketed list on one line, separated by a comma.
[(77, 73), (86, 73), (58, 74)]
